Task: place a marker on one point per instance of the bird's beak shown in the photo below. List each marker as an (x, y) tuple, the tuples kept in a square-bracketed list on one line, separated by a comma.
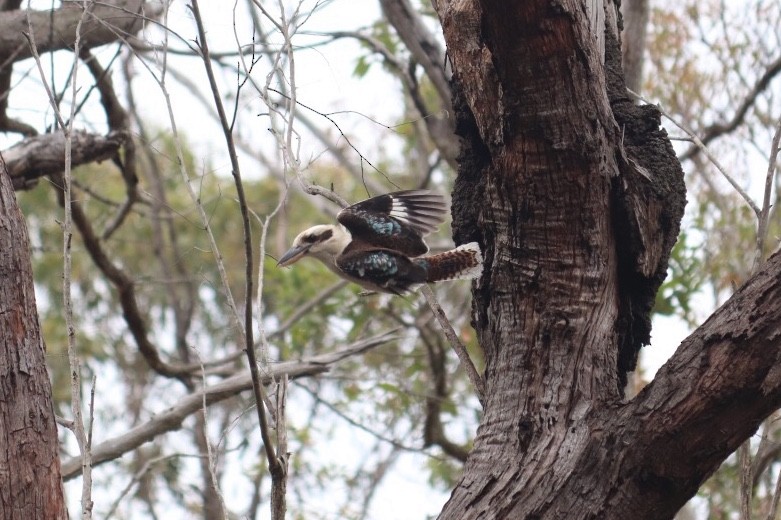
[(293, 255)]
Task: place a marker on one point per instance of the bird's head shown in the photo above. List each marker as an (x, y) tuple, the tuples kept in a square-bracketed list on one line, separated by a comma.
[(324, 242)]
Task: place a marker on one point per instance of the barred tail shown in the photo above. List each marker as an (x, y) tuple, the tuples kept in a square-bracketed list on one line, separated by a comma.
[(464, 262)]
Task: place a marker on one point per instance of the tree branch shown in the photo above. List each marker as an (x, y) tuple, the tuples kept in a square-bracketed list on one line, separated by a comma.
[(44, 155), (421, 43), (126, 289), (426, 50), (172, 418), (107, 21), (718, 129), (709, 397), (118, 121)]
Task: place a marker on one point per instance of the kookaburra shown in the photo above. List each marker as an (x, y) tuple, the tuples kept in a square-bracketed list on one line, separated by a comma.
[(378, 244)]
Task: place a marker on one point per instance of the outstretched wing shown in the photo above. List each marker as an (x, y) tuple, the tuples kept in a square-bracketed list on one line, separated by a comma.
[(382, 269), (396, 221)]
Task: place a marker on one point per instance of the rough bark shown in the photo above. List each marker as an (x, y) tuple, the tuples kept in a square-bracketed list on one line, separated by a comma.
[(648, 199), (30, 484), (576, 196)]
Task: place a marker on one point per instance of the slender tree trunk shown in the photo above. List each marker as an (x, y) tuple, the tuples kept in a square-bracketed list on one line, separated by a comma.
[(633, 38), (30, 482), (576, 196)]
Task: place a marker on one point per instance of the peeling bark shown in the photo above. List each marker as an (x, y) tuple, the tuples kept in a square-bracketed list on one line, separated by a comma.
[(30, 484)]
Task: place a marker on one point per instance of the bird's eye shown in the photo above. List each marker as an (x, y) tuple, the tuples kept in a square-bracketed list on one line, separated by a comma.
[(308, 239)]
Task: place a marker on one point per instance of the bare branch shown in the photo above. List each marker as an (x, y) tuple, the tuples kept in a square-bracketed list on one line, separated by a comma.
[(44, 155), (426, 50), (125, 287), (764, 215), (118, 121), (421, 43), (210, 463), (716, 130), (172, 418), (279, 483), (277, 467), (458, 347), (83, 439), (205, 221), (107, 22)]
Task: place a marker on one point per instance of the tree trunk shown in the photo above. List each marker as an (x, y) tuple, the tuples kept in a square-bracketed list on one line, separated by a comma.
[(636, 13), (30, 483), (576, 197)]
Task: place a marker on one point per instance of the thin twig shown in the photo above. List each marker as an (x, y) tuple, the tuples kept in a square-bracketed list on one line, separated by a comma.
[(277, 468), (83, 440), (37, 59), (744, 461), (771, 515), (264, 345), (211, 458), (205, 221), (764, 216), (452, 337)]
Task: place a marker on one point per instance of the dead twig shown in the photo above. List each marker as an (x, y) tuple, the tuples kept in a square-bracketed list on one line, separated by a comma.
[(458, 347)]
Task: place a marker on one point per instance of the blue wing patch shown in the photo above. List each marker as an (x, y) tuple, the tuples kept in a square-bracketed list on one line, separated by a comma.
[(382, 224), (388, 270)]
